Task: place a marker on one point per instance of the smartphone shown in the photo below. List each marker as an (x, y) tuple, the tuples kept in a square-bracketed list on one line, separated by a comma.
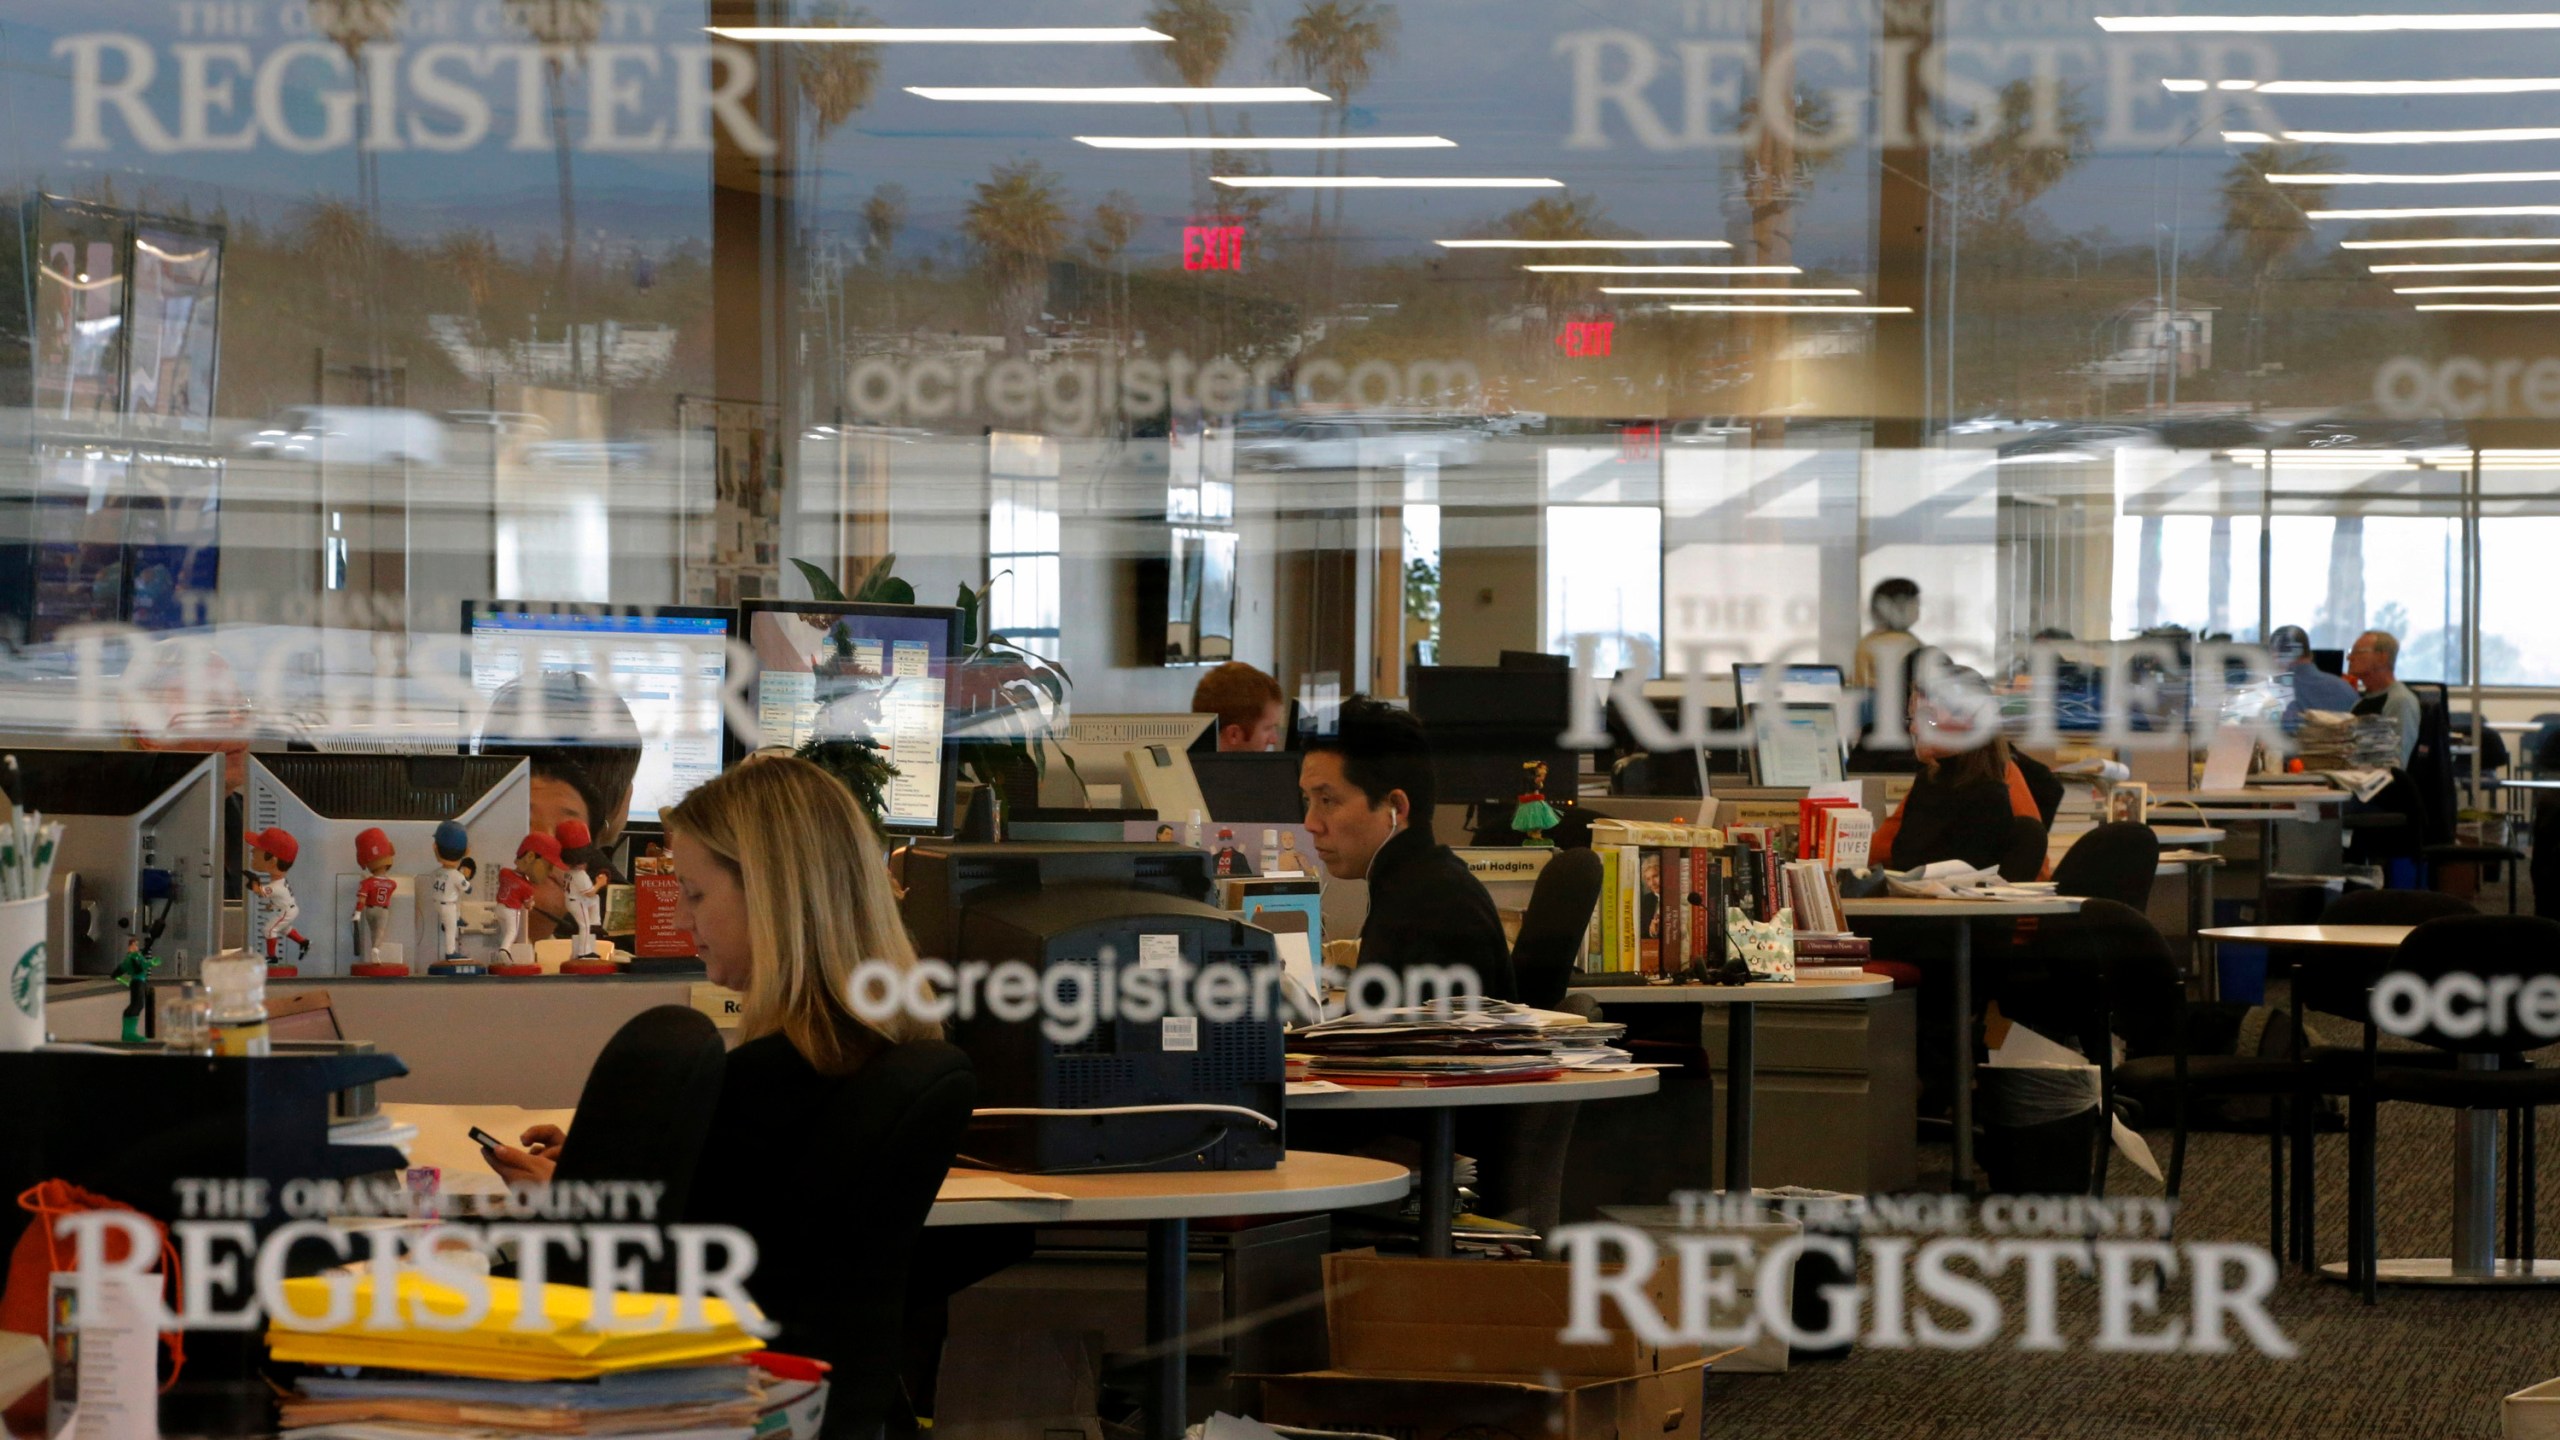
[(484, 1139)]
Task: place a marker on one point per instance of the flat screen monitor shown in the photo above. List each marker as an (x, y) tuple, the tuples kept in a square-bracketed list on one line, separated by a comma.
[(1097, 745), (669, 665), (1485, 723), (1796, 745), (1797, 684), (835, 670), (1250, 787)]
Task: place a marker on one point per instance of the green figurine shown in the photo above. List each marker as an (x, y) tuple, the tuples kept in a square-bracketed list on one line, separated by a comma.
[(134, 973), (1533, 817)]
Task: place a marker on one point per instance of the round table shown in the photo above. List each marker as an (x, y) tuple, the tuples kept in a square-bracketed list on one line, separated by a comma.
[(1741, 1004), (1440, 1125), (1962, 913), (2475, 1142), (1169, 1201)]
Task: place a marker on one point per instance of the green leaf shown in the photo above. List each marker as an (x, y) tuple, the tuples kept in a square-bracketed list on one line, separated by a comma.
[(821, 584), (891, 591), (880, 573), (968, 603)]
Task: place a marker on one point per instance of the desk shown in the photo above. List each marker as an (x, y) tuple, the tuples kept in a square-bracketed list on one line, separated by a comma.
[(2259, 804), (1440, 1126), (1168, 1202), (1741, 1003), (2475, 1143), (1963, 913)]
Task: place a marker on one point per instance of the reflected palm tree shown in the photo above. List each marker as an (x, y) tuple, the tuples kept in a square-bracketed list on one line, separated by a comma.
[(352, 25), (1335, 45), (563, 28), (472, 258), (837, 81), (1107, 236), (1204, 33), (883, 216), (2267, 222), (1018, 225)]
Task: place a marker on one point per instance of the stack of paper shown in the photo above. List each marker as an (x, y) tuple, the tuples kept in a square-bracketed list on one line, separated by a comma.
[(1442, 1045)]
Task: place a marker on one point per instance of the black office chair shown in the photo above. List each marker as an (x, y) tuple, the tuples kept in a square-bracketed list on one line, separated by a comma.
[(2022, 859), (1551, 929), (647, 1105), (2117, 861), (2085, 978), (2042, 784), (2524, 947)]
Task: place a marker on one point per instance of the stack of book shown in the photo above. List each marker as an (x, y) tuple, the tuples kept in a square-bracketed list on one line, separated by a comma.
[(490, 1380), (1499, 1043), (1660, 910)]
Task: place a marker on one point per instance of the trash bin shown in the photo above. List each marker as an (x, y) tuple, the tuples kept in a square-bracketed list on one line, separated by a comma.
[(2039, 1127), (1830, 1213)]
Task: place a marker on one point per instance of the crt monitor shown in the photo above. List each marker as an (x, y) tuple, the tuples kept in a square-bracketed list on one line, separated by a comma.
[(1097, 745), (1485, 723), (847, 670), (668, 663)]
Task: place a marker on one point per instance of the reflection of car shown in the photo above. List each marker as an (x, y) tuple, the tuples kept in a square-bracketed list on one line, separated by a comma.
[(1349, 442), (2218, 432), (2064, 441), (1707, 430), (349, 435), (1513, 422), (2371, 432), (1998, 425), (509, 424)]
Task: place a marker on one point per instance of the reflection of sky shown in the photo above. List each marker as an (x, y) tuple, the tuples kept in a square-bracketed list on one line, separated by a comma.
[(1486, 73)]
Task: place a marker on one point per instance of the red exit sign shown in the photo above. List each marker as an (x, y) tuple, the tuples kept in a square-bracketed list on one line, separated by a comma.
[(1586, 339), (1212, 247)]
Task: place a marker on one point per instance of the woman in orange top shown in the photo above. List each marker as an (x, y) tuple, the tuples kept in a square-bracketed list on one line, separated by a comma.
[(1967, 794)]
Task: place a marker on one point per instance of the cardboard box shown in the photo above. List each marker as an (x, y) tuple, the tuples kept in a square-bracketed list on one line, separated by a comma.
[(1430, 1349), (2532, 1413), (1766, 1355)]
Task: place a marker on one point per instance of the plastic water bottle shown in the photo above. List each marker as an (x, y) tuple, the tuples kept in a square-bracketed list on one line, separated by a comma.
[(238, 981)]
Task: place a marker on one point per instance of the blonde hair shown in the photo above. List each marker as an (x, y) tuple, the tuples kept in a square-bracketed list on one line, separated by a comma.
[(819, 903)]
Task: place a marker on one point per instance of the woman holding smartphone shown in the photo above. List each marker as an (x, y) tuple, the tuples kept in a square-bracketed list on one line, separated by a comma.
[(832, 1134)]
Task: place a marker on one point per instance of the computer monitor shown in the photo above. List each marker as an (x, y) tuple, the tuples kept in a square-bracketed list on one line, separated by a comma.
[(1796, 745), (1532, 660), (1098, 745), (1797, 684), (668, 663), (839, 670), (1485, 723), (1250, 787), (141, 854), (325, 801)]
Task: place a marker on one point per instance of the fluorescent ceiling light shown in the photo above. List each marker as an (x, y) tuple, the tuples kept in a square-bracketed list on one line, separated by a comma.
[(1121, 94), (2418, 137), (2449, 242), (1717, 290), (2471, 267), (1805, 309), (1584, 244), (944, 34), (2523, 85), (2247, 137), (2477, 290), (1666, 269), (2437, 212), (2182, 86), (1300, 142), (2475, 177), (2315, 24), (1383, 182), (2486, 307)]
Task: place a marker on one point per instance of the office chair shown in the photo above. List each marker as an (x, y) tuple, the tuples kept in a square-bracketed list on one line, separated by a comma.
[(1551, 929), (2117, 861), (2493, 947), (2041, 784), (2023, 858), (2085, 978)]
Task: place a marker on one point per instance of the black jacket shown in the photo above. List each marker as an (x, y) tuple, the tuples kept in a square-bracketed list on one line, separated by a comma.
[(1968, 822), (1426, 909), (832, 1176)]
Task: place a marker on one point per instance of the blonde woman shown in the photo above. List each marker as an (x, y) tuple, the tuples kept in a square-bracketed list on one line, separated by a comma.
[(832, 1133)]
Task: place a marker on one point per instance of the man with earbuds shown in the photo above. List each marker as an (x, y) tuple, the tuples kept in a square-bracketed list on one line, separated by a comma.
[(1368, 792)]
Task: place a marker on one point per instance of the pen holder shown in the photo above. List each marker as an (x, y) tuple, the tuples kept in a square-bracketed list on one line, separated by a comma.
[(22, 973)]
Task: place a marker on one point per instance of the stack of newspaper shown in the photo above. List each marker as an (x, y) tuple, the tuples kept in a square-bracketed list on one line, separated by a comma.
[(1497, 1043)]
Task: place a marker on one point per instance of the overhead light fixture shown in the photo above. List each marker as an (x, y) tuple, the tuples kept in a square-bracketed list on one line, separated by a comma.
[(2420, 137), (1720, 290), (1792, 309), (2466, 267), (2450, 242), (1584, 244), (2182, 86), (2475, 177), (2477, 290), (1285, 142), (2436, 212), (943, 34), (1665, 269), (1124, 94), (1384, 182), (2315, 24), (2485, 307), (2247, 137), (2522, 85)]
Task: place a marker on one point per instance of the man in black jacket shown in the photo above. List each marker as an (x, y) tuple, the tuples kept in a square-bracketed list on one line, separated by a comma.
[(1368, 792)]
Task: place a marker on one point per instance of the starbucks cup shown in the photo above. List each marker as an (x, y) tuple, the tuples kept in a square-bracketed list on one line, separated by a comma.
[(22, 926)]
